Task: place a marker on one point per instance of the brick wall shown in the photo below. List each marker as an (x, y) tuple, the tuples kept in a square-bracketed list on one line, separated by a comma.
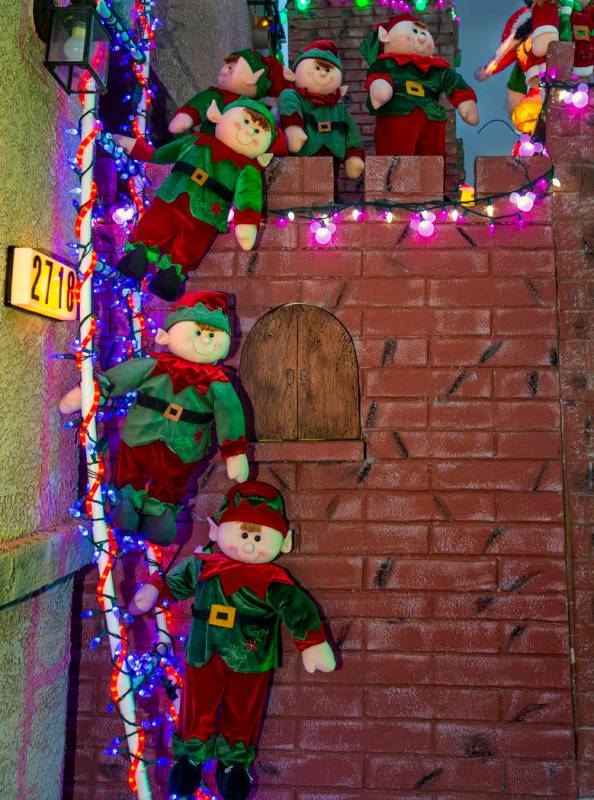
[(348, 26)]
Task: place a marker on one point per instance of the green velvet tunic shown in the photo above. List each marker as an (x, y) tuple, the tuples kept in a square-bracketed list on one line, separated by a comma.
[(426, 87), (190, 441), (198, 105), (338, 141), (239, 174), (244, 648)]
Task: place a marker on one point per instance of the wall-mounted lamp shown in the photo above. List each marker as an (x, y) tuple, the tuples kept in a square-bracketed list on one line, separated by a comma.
[(77, 44)]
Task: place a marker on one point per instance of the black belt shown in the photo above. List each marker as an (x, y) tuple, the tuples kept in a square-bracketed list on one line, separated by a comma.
[(173, 411), (325, 127), (202, 178), (226, 617)]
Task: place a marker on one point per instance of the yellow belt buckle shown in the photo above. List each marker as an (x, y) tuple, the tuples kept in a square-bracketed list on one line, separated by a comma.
[(199, 176), (173, 412), (581, 33), (324, 127), (415, 89), (222, 616)]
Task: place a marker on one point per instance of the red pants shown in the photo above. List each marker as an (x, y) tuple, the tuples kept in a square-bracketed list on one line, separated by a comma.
[(241, 695), (412, 135), (172, 228), (156, 465)]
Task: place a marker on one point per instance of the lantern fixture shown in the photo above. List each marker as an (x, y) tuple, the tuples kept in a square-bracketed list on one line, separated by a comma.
[(77, 44)]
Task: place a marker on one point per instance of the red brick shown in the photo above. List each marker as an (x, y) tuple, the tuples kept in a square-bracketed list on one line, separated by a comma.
[(530, 707), (306, 451), (253, 293), (532, 506), (399, 773), (537, 779), (323, 505), (372, 736), (439, 637), (499, 670), (384, 292), (495, 174), (373, 539), (446, 444), (511, 353), (434, 574), (319, 263), (503, 415), (496, 741), (431, 262), (506, 262), (316, 701), (546, 639), (529, 445), (396, 382), (488, 292), (524, 322), (309, 769), (412, 507), (377, 475), (432, 703), (511, 383), (517, 476), (402, 414), (537, 575), (374, 604), (428, 321), (325, 571), (402, 352), (509, 539), (412, 175)]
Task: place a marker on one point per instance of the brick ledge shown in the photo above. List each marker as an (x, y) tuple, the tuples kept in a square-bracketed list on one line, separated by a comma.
[(309, 451), (32, 562)]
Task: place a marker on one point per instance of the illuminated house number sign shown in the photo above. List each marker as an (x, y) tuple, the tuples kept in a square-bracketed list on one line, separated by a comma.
[(38, 283)]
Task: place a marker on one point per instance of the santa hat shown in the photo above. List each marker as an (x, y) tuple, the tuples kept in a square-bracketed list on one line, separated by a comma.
[(396, 19), (209, 308), (371, 46), (256, 502), (323, 49)]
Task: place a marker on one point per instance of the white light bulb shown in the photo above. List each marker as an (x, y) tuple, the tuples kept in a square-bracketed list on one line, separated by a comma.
[(580, 98), (291, 216), (74, 47), (323, 235), (389, 217), (490, 210), (426, 228)]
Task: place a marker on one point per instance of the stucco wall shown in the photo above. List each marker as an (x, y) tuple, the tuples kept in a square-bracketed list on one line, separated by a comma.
[(194, 39)]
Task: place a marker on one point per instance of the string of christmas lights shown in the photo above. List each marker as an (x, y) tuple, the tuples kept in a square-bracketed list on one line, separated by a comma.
[(395, 6)]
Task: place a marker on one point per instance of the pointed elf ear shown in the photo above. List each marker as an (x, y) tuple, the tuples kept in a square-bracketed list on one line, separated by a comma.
[(265, 159), (343, 90), (256, 77), (213, 113), (383, 35), (287, 543), (288, 74), (162, 337), (213, 529)]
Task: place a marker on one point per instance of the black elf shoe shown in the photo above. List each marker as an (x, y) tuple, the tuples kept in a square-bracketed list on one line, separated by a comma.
[(124, 517), (167, 284), (184, 777), (234, 781), (159, 529), (133, 264)]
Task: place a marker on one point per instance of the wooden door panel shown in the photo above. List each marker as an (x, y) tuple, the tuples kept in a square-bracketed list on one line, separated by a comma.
[(268, 372), (327, 378)]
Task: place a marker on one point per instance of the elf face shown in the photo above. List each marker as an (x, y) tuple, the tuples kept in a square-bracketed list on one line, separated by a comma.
[(192, 341), (244, 131), (408, 38), (237, 76), (317, 75), (252, 544)]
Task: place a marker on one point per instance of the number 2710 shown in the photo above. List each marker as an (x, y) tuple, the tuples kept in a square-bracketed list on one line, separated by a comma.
[(44, 291)]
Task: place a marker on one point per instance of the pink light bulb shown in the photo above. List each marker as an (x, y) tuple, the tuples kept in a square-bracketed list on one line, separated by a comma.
[(323, 235), (426, 228), (580, 98)]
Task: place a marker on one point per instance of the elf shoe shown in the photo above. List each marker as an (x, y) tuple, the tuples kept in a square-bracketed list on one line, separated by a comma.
[(158, 529), (184, 777), (234, 781), (167, 284), (133, 264), (124, 517)]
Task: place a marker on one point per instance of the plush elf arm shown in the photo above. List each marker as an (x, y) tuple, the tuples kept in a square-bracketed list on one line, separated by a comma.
[(248, 206), (355, 155), (125, 377), (191, 113), (230, 427), (380, 85), (292, 120), (301, 617), (179, 584), (460, 95), (141, 150)]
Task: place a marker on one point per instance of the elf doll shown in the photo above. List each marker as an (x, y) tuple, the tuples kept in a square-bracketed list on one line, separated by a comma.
[(168, 430), (405, 81), (314, 119), (240, 599), (245, 73), (192, 205), (566, 21)]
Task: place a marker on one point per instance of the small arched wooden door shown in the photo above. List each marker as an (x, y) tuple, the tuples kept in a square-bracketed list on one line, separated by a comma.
[(299, 369)]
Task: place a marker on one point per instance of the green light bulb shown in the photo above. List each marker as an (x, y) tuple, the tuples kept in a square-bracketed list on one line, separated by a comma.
[(302, 5), (420, 5), (362, 3)]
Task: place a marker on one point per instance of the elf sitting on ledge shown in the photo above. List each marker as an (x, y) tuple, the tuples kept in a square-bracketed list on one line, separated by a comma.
[(240, 600)]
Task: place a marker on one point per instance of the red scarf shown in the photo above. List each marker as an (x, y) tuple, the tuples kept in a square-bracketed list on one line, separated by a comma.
[(320, 99), (235, 575), (226, 96), (424, 63), (184, 373)]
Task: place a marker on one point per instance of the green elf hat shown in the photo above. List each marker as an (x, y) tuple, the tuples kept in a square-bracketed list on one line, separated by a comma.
[(259, 108), (209, 308), (272, 81), (324, 49), (371, 47), (256, 502)]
